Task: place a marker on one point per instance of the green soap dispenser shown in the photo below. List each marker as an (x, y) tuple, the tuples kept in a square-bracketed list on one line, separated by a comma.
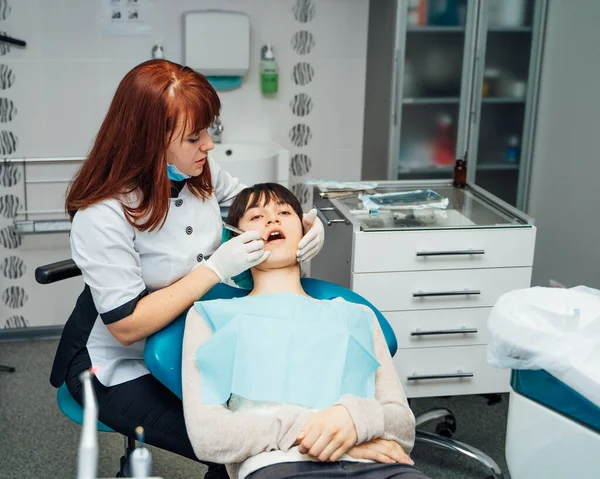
[(269, 76)]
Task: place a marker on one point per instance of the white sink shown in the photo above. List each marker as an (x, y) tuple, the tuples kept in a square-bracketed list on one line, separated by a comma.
[(254, 162)]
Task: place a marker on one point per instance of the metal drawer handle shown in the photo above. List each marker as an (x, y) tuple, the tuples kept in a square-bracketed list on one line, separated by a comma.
[(324, 219), (466, 292), (463, 330), (451, 253), (457, 374)]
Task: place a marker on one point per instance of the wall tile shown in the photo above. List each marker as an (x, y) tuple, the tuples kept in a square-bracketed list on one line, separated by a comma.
[(346, 37), (338, 96)]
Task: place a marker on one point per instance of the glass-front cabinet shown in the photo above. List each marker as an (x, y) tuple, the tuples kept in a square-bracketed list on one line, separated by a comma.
[(465, 86)]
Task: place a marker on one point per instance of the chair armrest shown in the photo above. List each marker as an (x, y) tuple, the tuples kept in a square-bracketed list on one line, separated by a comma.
[(51, 273)]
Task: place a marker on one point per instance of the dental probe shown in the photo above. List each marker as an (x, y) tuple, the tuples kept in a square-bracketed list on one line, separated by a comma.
[(232, 228)]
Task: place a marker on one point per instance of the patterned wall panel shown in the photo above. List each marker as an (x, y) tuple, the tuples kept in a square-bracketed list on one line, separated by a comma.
[(304, 10), (301, 104), (10, 175), (300, 164), (8, 110), (300, 135), (303, 73), (9, 238), (302, 192), (12, 265), (9, 204), (14, 297), (16, 322), (7, 77), (303, 42), (8, 143), (5, 9)]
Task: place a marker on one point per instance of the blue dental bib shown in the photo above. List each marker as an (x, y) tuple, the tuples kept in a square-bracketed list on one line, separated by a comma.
[(286, 348)]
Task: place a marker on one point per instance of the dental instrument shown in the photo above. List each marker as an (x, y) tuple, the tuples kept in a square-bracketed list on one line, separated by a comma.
[(233, 228), (141, 459), (87, 463)]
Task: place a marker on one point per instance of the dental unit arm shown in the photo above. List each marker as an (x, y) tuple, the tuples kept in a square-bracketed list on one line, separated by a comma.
[(140, 460), (87, 458)]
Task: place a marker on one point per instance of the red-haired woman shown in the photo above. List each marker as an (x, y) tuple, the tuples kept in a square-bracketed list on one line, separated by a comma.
[(146, 234)]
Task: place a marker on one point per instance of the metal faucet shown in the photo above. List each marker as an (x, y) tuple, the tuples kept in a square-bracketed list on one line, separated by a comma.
[(216, 130)]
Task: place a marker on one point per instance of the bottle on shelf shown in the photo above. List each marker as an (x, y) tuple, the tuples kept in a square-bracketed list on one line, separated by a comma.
[(460, 172), (442, 12), (490, 85), (506, 13), (412, 17), (410, 84), (513, 150), (443, 144)]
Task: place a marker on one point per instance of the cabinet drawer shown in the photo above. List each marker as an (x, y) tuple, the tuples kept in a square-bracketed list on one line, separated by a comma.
[(449, 371), (439, 289), (440, 327), (443, 249)]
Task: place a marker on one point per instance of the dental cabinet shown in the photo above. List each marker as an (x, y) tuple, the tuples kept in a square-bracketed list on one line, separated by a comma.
[(434, 277), (465, 77)]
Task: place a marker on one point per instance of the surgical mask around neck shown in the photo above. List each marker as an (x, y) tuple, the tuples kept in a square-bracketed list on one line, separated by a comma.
[(174, 173)]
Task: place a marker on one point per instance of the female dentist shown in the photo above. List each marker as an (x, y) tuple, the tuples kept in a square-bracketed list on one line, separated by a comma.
[(146, 234)]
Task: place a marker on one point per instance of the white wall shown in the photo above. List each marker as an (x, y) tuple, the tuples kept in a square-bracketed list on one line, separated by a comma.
[(565, 189), (62, 83)]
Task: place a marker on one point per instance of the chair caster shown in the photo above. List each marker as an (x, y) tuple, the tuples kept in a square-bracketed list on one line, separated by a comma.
[(446, 428)]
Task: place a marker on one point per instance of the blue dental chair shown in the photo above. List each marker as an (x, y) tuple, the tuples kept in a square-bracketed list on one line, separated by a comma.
[(163, 349), (163, 357)]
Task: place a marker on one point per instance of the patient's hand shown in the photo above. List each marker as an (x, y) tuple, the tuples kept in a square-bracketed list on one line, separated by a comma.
[(328, 434), (381, 450)]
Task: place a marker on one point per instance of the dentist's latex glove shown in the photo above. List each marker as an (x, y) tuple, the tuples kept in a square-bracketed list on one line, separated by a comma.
[(328, 434), (381, 450), (237, 255), (313, 240)]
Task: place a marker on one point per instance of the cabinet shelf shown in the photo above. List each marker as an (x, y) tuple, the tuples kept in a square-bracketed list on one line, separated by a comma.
[(435, 29), (429, 101), (509, 29), (502, 99), (498, 167), (424, 170)]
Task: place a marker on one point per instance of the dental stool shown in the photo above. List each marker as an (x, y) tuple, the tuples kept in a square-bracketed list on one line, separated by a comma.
[(164, 350)]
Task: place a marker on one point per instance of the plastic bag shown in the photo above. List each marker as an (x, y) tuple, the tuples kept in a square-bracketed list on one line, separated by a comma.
[(404, 200), (342, 185), (544, 328)]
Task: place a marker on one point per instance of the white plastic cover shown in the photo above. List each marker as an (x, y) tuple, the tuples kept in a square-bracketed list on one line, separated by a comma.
[(553, 329)]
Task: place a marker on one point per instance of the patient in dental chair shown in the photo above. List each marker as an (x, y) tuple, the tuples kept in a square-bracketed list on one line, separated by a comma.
[(278, 384)]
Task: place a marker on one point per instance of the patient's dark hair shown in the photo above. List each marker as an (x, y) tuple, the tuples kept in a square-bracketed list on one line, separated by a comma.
[(261, 194)]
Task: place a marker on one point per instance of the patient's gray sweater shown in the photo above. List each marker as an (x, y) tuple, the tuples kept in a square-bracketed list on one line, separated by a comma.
[(248, 436)]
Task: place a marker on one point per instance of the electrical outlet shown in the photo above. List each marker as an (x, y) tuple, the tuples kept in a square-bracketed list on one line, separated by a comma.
[(555, 284)]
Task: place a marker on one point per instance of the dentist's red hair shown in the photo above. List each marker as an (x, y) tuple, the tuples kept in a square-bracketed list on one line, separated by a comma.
[(129, 152)]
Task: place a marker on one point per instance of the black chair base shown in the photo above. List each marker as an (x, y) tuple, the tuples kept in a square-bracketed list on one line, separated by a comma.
[(7, 369)]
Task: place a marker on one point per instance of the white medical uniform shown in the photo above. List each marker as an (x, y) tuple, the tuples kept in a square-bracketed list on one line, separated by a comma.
[(121, 264)]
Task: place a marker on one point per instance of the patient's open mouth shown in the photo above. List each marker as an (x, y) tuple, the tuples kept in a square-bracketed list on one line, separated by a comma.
[(275, 235)]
